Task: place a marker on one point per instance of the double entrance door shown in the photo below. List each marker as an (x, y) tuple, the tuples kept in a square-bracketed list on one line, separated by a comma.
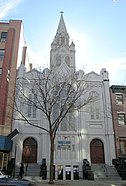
[(68, 172), (97, 151), (29, 154)]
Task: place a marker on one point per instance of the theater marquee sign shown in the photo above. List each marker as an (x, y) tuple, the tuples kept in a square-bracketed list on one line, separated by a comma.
[(63, 145)]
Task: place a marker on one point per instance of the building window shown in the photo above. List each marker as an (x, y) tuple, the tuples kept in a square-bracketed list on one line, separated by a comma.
[(94, 110), (0, 71), (68, 122), (94, 106), (67, 60), (58, 60), (122, 144), (121, 118), (62, 40), (71, 120), (64, 123), (119, 99), (31, 106), (1, 54), (3, 36)]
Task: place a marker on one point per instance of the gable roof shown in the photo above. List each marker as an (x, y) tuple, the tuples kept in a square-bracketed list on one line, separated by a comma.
[(93, 76)]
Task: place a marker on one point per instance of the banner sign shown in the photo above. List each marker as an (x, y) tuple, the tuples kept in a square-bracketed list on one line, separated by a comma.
[(63, 145)]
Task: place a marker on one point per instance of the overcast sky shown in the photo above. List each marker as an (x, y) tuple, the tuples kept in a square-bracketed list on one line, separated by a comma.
[(97, 28)]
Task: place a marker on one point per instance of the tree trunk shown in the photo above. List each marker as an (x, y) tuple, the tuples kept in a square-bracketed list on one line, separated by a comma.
[(51, 159)]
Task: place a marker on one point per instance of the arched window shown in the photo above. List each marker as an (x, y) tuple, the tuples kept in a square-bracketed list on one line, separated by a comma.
[(67, 60), (71, 120), (31, 106), (64, 123), (94, 106), (58, 60), (62, 40), (68, 121)]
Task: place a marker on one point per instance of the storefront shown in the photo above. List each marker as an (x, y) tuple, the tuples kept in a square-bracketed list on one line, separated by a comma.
[(5, 148)]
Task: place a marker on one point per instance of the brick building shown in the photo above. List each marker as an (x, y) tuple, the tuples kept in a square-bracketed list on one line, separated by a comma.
[(118, 102), (11, 45), (12, 53)]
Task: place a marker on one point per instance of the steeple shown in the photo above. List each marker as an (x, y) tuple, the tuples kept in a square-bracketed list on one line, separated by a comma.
[(62, 55), (61, 37), (62, 26)]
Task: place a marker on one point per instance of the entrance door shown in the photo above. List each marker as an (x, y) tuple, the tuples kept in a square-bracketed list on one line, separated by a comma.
[(75, 172), (60, 172), (68, 172), (97, 151), (29, 154)]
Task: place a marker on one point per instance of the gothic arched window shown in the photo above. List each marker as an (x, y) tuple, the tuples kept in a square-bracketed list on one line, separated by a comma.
[(67, 60), (94, 106), (62, 40), (31, 106), (58, 60)]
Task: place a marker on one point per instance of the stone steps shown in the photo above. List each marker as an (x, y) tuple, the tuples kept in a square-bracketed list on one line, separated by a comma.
[(29, 170), (32, 170), (102, 171)]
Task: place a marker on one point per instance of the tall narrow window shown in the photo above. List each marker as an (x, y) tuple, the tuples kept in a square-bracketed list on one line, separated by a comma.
[(67, 60), (71, 120), (94, 106), (55, 112), (122, 144), (34, 107), (59, 111), (119, 99), (3, 36), (2, 54), (31, 106), (62, 40), (58, 60), (0, 70), (64, 124)]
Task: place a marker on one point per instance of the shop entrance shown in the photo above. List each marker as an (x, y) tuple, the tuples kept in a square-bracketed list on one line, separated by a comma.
[(68, 172), (4, 160)]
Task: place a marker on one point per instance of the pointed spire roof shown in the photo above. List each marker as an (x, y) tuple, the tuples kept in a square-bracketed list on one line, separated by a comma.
[(61, 26)]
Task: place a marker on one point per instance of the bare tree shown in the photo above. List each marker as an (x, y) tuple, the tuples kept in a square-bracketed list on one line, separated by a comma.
[(53, 95)]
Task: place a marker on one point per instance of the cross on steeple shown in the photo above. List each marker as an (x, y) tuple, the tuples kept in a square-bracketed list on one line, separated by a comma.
[(61, 12)]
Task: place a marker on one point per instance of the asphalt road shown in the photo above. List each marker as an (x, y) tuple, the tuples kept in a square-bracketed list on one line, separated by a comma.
[(81, 183)]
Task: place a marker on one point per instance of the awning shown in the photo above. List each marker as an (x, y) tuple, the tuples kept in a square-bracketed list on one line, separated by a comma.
[(13, 133), (5, 143)]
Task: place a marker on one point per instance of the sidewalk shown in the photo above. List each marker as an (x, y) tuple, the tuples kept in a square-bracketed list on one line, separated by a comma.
[(37, 181)]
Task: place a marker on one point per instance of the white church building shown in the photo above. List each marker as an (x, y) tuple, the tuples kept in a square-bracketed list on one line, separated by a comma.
[(91, 136)]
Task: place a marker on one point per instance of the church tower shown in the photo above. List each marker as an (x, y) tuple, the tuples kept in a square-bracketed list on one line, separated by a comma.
[(62, 55)]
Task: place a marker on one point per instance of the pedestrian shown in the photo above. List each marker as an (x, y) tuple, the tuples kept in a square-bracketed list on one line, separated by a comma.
[(21, 170)]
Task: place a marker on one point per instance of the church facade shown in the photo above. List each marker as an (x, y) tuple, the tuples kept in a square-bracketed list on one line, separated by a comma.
[(90, 136)]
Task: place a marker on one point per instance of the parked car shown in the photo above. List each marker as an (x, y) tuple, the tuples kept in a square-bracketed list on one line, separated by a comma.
[(3, 175)]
